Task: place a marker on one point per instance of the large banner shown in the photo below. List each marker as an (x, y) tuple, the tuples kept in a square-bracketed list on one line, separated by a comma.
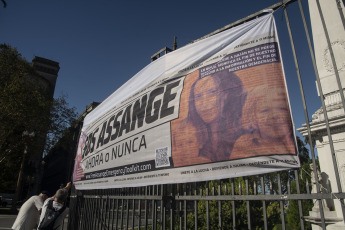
[(217, 108)]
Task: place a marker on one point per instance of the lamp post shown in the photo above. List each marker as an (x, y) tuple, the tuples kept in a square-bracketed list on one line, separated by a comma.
[(26, 135)]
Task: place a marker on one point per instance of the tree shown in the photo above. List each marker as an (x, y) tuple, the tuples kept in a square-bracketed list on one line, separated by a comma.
[(26, 105), (61, 117), (4, 3), (293, 218)]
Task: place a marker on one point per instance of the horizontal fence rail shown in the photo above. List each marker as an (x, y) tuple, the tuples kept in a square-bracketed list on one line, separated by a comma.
[(201, 205)]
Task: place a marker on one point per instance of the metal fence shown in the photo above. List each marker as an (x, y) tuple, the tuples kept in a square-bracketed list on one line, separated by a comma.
[(256, 202)]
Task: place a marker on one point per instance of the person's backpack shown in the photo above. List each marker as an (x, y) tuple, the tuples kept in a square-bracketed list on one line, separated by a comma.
[(50, 216)]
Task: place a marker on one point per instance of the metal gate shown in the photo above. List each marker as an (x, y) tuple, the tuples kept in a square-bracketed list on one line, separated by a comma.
[(255, 202)]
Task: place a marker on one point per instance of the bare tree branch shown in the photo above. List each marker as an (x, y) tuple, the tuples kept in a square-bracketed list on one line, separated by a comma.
[(4, 2)]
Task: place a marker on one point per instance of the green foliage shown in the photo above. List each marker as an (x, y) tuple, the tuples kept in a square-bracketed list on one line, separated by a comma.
[(293, 218), (226, 207), (303, 151), (273, 208), (273, 214)]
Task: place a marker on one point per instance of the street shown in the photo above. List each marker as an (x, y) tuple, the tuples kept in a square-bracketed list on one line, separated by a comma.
[(6, 221)]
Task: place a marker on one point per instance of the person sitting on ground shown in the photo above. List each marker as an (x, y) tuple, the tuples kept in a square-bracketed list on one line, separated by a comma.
[(54, 210), (29, 213)]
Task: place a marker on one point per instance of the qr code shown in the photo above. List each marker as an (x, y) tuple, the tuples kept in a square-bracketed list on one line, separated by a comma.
[(162, 157)]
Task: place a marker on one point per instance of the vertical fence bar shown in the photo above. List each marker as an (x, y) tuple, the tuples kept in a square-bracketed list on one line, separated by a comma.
[(185, 207), (90, 215), (104, 213), (300, 208), (153, 210), (89, 226), (172, 207), (163, 194), (180, 206), (72, 208), (159, 206), (76, 223), (117, 214), (127, 213), (322, 215), (122, 212), (233, 204), (264, 212), (101, 219), (75, 208), (248, 206), (145, 207), (212, 193), (139, 214), (83, 212), (133, 212), (94, 217), (80, 208), (201, 191), (220, 205), (195, 207), (108, 210), (98, 215), (226, 192), (113, 215), (78, 205), (282, 215), (207, 209)]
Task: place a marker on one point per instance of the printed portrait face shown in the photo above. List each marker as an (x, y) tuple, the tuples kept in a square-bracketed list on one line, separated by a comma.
[(206, 99), (185, 139), (185, 145), (272, 115)]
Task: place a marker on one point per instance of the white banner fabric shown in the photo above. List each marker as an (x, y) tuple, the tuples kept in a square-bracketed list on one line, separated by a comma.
[(214, 109)]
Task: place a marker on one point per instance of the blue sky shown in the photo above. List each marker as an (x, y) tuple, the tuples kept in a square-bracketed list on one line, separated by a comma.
[(101, 44)]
